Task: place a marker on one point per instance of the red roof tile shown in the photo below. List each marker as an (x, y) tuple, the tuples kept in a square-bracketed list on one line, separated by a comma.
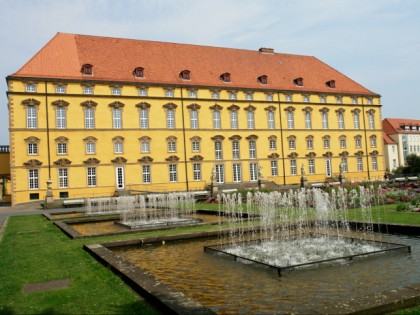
[(388, 140), (396, 125), (114, 59)]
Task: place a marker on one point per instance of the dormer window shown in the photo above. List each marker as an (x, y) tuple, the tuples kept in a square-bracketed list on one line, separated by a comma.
[(263, 79), (185, 74), (225, 77), (87, 69), (138, 72), (298, 81), (331, 84)]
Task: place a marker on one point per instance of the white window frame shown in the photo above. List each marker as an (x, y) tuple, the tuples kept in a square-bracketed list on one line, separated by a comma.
[(62, 148), (218, 150), (60, 118), (195, 146), (60, 89), (145, 147), (269, 97), (293, 167), (117, 118), (169, 93), (356, 121), (359, 164), (173, 173), (371, 119), (252, 149), (31, 117), (220, 173), (292, 144), (32, 149), (216, 120), (234, 119), (290, 120), (340, 120), (63, 179), (272, 144), (33, 179), (197, 172), (237, 172), (90, 147), (143, 92), (171, 146), (374, 163), (115, 91), (170, 118), (235, 150), (326, 143), (358, 143), (89, 118), (144, 118), (194, 119), (343, 143), (311, 166), (309, 144), (253, 172), (308, 120), (146, 174), (30, 88), (192, 94), (91, 176), (250, 119), (324, 120), (118, 147), (373, 142), (344, 167), (215, 95), (274, 168), (232, 96), (88, 90), (271, 120), (249, 96)]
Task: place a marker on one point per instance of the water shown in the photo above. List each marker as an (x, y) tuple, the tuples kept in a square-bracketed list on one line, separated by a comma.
[(232, 287)]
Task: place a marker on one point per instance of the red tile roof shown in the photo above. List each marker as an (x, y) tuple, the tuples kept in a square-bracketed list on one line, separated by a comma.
[(396, 125), (388, 140), (114, 59)]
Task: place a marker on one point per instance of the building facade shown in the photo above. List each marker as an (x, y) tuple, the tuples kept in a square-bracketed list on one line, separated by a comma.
[(401, 138), (98, 115)]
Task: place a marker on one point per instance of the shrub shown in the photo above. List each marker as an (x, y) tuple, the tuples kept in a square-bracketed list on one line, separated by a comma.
[(403, 207)]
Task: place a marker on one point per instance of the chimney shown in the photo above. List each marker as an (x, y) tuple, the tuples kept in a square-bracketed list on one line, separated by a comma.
[(266, 50)]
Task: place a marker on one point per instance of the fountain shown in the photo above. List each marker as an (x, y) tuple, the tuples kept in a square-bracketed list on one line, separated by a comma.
[(299, 229)]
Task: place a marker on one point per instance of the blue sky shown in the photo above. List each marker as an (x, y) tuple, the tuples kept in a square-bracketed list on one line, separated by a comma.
[(375, 42)]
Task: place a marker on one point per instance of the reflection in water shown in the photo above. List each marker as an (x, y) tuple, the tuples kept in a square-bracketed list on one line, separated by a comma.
[(230, 287)]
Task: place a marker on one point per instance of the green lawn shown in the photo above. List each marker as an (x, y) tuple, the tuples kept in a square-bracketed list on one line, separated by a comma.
[(34, 250)]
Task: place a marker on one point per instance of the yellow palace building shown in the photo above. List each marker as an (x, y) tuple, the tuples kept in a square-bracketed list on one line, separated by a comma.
[(99, 115)]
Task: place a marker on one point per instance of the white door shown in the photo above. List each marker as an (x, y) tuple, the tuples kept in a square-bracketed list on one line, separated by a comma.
[(119, 173), (328, 168)]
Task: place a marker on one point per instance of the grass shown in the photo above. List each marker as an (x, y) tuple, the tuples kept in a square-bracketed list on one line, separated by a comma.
[(34, 250)]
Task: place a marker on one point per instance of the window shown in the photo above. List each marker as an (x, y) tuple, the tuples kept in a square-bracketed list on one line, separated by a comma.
[(144, 118), (371, 121), (322, 99), (145, 147), (311, 166), (289, 98), (215, 95), (171, 146), (298, 81), (272, 144), (218, 150), (91, 176), (192, 94), (116, 118), (394, 163), (138, 72), (248, 96), (252, 149), (263, 79), (195, 146), (308, 121), (87, 69), (232, 96), (292, 144), (32, 148), (225, 77), (306, 99), (250, 120), (374, 163), (293, 167), (328, 168), (61, 89), (170, 119), (143, 92), (359, 164), (234, 120), (118, 147), (146, 178), (358, 141), (197, 171), (185, 75), (90, 148), (220, 173), (194, 119), (235, 150), (339, 100), (33, 179), (253, 172), (269, 97), (173, 176), (87, 90), (169, 93), (324, 120), (373, 142), (270, 120), (356, 120), (290, 120), (31, 117), (63, 180), (274, 168), (89, 118), (61, 148), (330, 84), (60, 116), (216, 119), (343, 143), (354, 100), (344, 167), (309, 143), (340, 120), (30, 88), (237, 173), (116, 91), (326, 143), (369, 101)]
